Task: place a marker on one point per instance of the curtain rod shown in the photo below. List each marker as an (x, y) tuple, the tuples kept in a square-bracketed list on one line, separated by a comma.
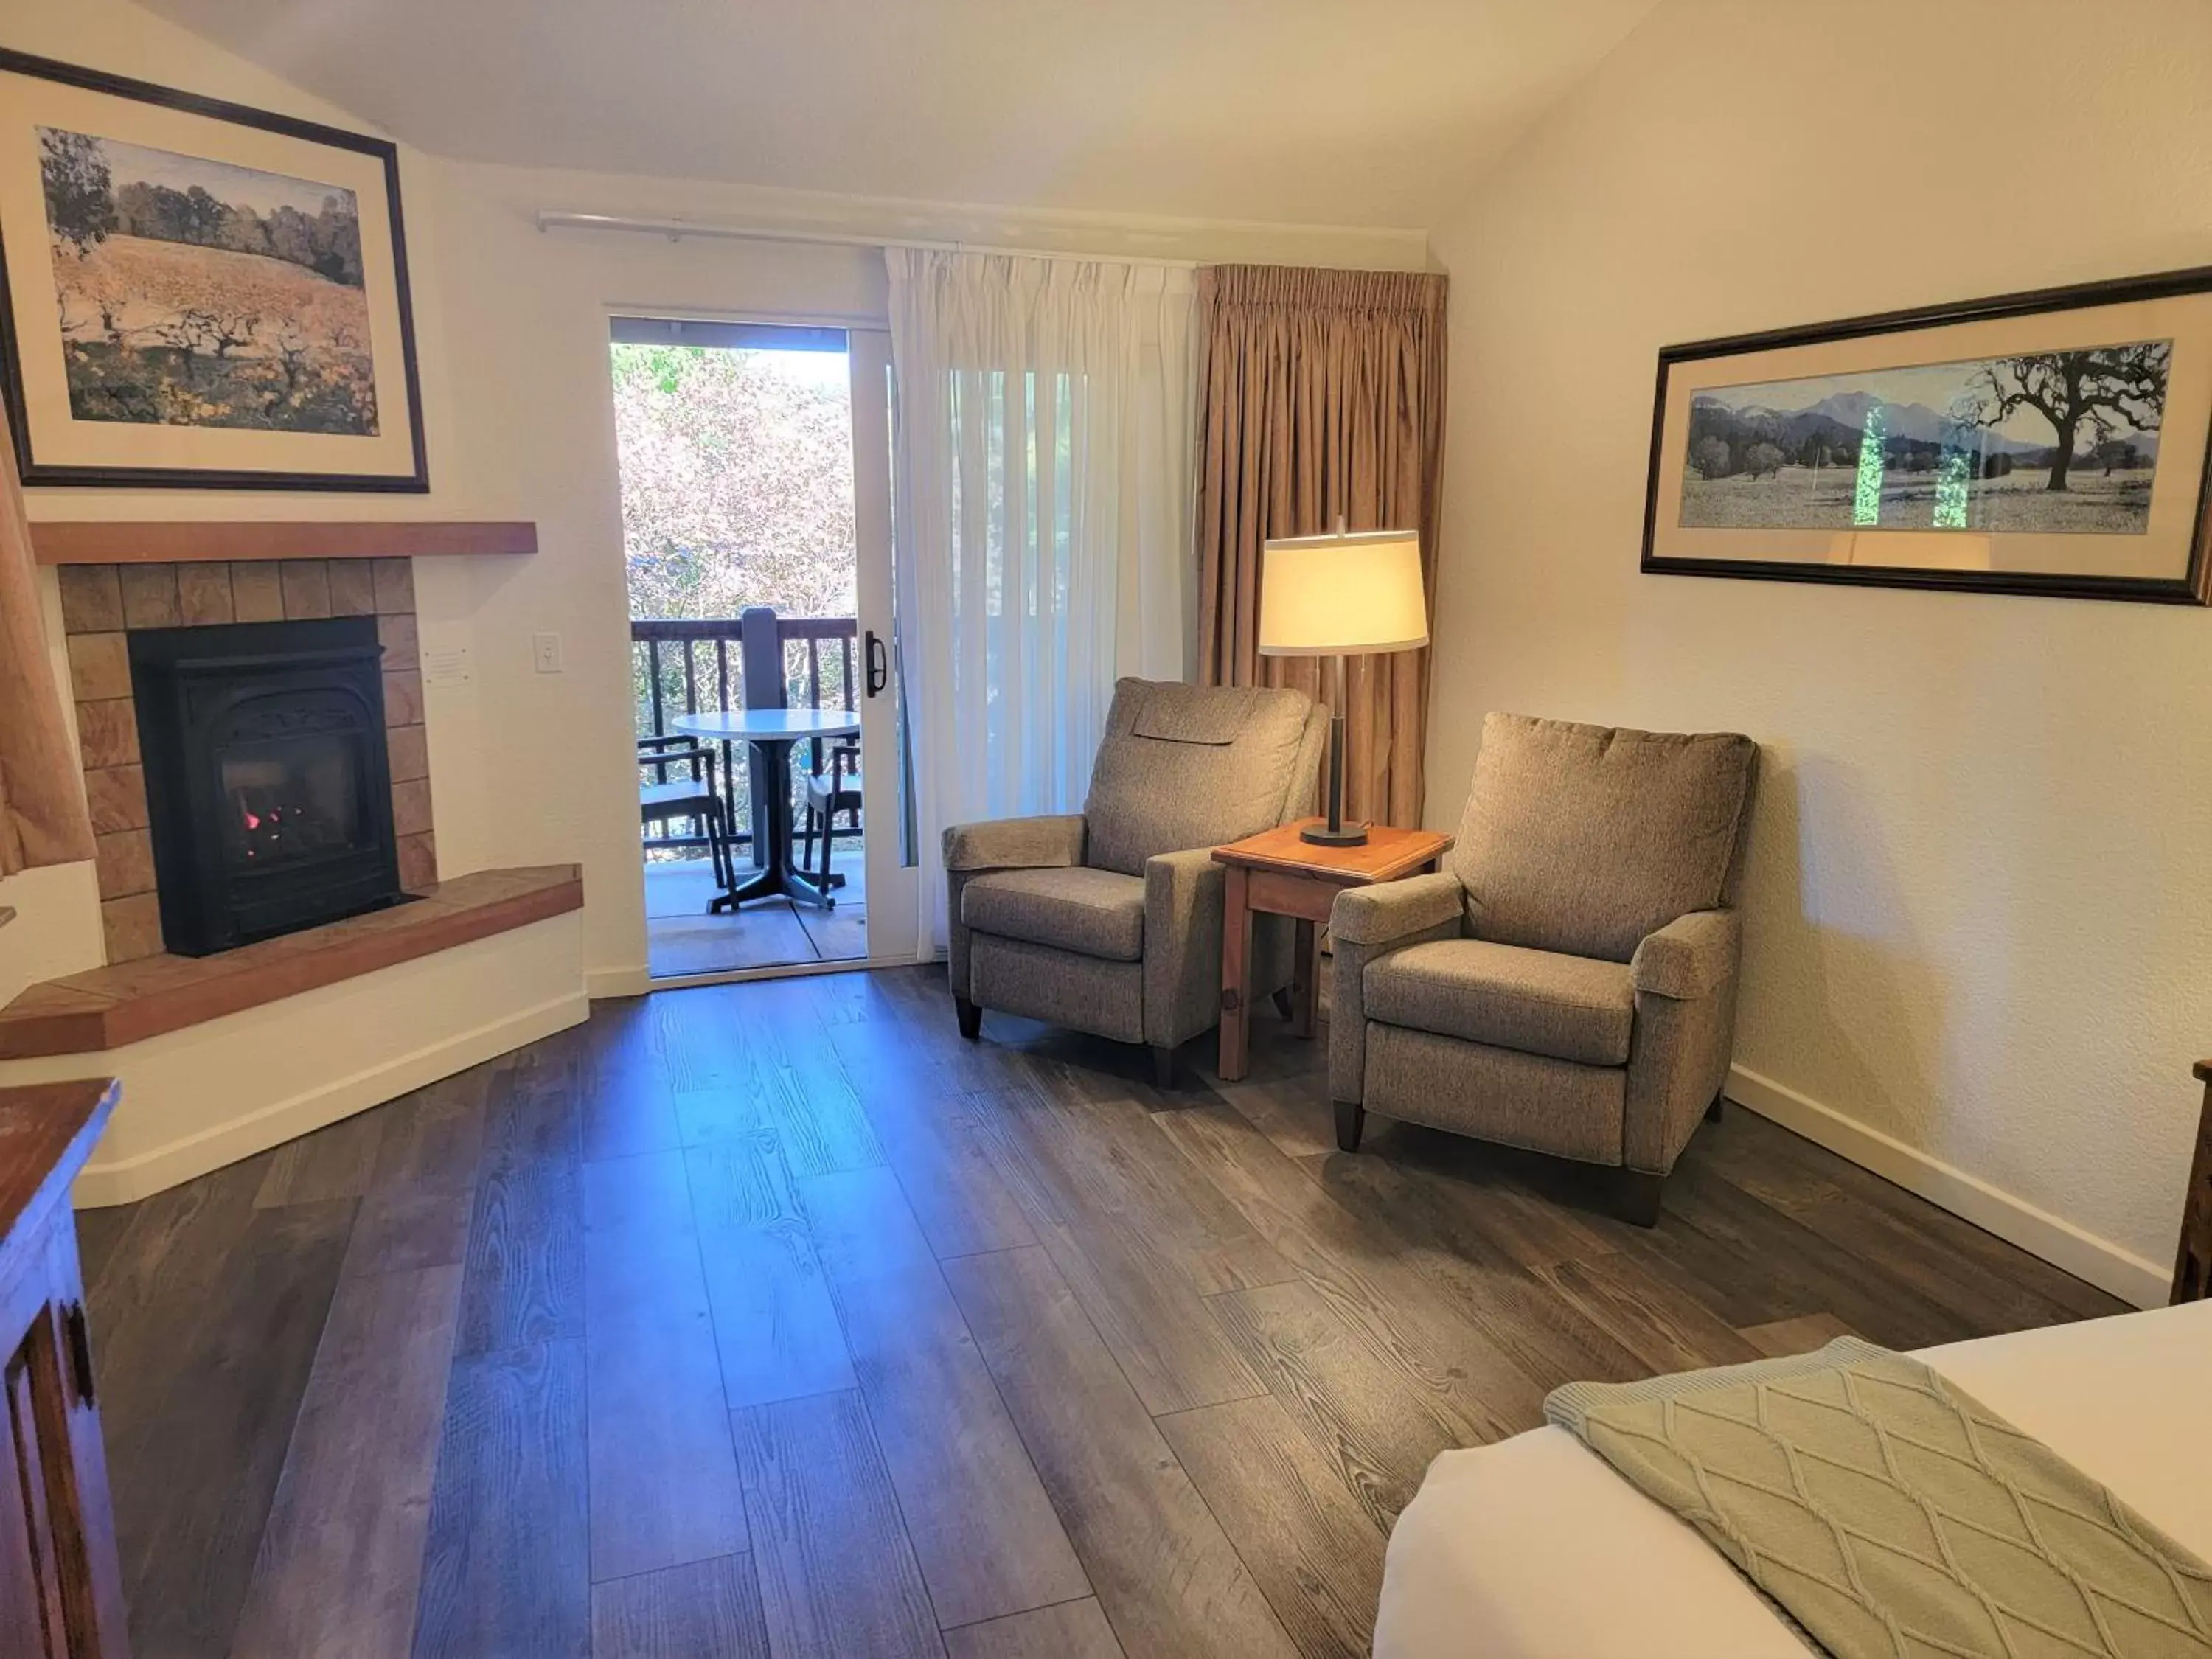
[(676, 229)]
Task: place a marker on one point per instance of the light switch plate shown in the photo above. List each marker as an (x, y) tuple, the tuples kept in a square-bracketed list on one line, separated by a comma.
[(546, 648)]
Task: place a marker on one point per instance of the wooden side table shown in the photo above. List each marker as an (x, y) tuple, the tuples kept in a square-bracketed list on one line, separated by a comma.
[(2192, 1263), (1276, 872), (61, 1588)]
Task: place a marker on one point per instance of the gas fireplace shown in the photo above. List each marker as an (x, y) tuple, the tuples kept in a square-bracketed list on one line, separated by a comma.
[(268, 784)]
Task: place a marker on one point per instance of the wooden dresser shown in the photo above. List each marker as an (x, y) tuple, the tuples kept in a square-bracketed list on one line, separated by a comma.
[(2192, 1263), (60, 1594)]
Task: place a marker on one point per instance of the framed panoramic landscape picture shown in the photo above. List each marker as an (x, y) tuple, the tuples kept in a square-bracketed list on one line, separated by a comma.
[(2053, 442), (193, 293)]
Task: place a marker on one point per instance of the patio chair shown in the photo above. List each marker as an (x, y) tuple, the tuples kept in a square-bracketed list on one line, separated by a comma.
[(694, 798)]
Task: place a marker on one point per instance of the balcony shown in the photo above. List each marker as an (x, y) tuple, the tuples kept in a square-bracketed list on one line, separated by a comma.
[(722, 664)]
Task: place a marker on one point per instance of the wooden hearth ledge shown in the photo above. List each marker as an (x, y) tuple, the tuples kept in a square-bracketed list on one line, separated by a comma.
[(58, 542), (107, 1007)]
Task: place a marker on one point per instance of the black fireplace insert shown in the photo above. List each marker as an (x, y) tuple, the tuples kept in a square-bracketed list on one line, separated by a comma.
[(267, 780)]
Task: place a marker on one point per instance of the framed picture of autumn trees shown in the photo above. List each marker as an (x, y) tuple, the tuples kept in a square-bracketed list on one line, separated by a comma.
[(197, 294), (2053, 442)]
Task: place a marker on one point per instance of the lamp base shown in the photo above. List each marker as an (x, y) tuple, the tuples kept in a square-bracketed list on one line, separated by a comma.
[(1352, 834)]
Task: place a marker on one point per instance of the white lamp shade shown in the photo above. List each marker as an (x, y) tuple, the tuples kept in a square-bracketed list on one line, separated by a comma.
[(1322, 596)]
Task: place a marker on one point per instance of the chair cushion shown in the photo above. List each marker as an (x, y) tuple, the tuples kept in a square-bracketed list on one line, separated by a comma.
[(673, 794), (1185, 766), (1586, 838), (1094, 913), (1540, 1003)]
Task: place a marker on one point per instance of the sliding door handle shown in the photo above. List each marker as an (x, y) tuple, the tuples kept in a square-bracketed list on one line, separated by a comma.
[(879, 668)]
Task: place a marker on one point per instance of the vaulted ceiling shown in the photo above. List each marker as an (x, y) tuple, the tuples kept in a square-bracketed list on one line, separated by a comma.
[(1335, 112)]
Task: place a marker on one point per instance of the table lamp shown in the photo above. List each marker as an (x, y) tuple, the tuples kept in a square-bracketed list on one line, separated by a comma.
[(1330, 596)]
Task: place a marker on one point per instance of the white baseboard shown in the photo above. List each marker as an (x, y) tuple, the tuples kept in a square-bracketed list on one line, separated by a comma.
[(600, 983), (2057, 1241), (127, 1180)]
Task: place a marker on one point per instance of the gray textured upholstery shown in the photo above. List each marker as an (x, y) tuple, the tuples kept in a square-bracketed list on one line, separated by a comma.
[(1059, 986), (1569, 981), (1538, 1002), (1184, 766), (1093, 913), (1583, 838), (1498, 1094), (1110, 922)]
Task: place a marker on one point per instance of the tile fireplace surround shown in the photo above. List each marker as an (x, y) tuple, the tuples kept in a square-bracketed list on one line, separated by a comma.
[(100, 602)]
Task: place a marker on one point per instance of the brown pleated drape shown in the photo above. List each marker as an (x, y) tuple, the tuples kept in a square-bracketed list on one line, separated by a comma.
[(42, 811), (1321, 395)]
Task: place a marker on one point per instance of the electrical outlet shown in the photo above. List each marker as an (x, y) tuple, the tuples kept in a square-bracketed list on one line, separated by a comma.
[(547, 647)]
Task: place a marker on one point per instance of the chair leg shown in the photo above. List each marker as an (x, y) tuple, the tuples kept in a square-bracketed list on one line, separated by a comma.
[(718, 847), (1636, 1195), (1164, 1066), (971, 1018), (1351, 1121), (1713, 1111)]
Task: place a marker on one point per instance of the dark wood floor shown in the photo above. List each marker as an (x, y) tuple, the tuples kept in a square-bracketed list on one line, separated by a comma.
[(774, 1319)]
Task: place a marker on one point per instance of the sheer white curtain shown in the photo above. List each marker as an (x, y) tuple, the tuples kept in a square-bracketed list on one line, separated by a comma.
[(1044, 494)]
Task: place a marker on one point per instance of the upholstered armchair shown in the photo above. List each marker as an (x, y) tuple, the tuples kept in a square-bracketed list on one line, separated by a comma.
[(1567, 982), (1110, 921)]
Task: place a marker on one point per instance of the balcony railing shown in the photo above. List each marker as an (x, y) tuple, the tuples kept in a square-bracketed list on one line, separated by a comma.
[(683, 667)]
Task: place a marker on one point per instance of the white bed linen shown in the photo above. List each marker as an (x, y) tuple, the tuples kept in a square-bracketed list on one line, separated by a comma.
[(1533, 1547)]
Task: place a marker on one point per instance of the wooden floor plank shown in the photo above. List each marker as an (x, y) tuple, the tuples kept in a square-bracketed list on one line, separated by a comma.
[(339, 1161), (802, 1087), (1151, 1317), (837, 1575), (1073, 1629), (98, 1232), (1376, 1428), (530, 1113), (663, 1472), (1937, 1248), (1164, 1572), (1664, 1328), (626, 1107), (404, 1229), (1428, 1286), (1785, 1337), (229, 1365), (775, 1327), (433, 1139), (1362, 1274), (982, 1528), (1315, 1550), (1713, 1217), (1130, 1167), (524, 1281), (929, 1133), (701, 1610), (341, 1559), (507, 1571)]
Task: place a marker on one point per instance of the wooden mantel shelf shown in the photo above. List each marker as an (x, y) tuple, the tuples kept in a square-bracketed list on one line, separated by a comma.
[(107, 1007), (176, 542)]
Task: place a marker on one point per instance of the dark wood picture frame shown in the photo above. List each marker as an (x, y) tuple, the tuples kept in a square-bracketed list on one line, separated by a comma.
[(2195, 588), (35, 473)]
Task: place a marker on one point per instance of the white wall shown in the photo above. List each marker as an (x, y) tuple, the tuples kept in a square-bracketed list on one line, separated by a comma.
[(528, 768), (1980, 903)]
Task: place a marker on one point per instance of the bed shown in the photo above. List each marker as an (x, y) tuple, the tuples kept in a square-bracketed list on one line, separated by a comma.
[(1533, 1547)]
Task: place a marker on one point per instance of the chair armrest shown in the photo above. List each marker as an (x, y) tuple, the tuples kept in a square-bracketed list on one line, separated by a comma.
[(1367, 924), (1184, 896), (1692, 956), (1038, 843), (1395, 909)]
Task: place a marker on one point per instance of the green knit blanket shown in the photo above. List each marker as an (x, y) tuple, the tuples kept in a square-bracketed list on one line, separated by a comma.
[(1888, 1514)]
